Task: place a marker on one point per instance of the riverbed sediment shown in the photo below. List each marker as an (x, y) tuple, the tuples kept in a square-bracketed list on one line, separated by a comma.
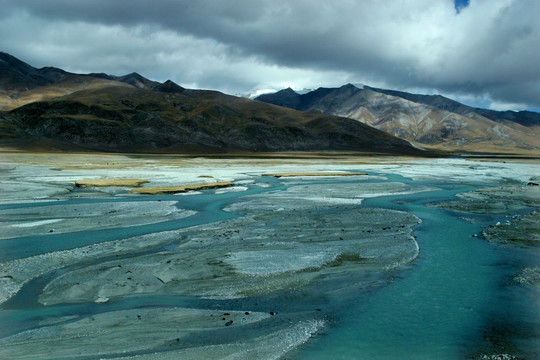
[(261, 281)]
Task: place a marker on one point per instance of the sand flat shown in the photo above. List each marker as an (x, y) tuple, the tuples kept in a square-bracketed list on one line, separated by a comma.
[(316, 173), (110, 182), (153, 190)]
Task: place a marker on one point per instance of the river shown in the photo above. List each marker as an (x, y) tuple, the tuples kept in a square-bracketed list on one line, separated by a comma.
[(455, 300)]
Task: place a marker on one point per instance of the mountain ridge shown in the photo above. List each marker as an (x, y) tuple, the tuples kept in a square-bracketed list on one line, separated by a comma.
[(431, 121), (523, 117), (100, 112)]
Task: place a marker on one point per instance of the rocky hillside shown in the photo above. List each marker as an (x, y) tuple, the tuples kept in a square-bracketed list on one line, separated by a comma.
[(429, 121), (52, 108)]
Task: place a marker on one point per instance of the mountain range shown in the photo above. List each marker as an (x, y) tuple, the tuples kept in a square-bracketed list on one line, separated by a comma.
[(51, 108), (428, 121)]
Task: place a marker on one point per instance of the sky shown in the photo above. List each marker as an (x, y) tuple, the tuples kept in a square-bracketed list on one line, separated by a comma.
[(480, 52)]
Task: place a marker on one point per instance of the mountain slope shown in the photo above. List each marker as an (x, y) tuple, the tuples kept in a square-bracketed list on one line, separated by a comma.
[(525, 118), (50, 107), (136, 80), (17, 75), (21, 83), (432, 121), (169, 87), (121, 117)]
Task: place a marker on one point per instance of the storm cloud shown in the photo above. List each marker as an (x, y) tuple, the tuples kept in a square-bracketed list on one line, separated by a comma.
[(485, 53)]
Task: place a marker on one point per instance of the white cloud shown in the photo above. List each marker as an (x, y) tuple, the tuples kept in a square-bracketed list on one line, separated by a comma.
[(502, 106)]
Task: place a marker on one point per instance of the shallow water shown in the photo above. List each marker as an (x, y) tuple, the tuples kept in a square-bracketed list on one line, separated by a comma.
[(207, 205), (439, 306)]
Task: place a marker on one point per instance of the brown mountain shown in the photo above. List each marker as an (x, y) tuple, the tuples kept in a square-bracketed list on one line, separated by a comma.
[(169, 87), (19, 76), (428, 121), (21, 83), (108, 113)]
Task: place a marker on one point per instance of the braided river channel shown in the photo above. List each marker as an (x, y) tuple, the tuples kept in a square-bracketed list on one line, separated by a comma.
[(418, 261)]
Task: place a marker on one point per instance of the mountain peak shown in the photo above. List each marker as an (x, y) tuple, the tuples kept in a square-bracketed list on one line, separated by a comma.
[(133, 75), (15, 64), (348, 88), (8, 58), (18, 75), (101, 76), (137, 80), (286, 97), (170, 87), (288, 90)]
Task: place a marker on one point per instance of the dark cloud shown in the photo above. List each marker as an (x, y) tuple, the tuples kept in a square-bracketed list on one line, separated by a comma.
[(486, 50)]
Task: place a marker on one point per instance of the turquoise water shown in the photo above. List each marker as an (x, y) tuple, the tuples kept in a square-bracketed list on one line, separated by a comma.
[(438, 307), (208, 206)]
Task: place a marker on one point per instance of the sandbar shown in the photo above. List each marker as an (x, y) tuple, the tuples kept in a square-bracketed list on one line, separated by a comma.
[(110, 182), (153, 190), (321, 173)]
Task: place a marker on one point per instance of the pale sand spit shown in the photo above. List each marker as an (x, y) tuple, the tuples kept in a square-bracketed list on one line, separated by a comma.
[(153, 190), (322, 173), (109, 182)]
